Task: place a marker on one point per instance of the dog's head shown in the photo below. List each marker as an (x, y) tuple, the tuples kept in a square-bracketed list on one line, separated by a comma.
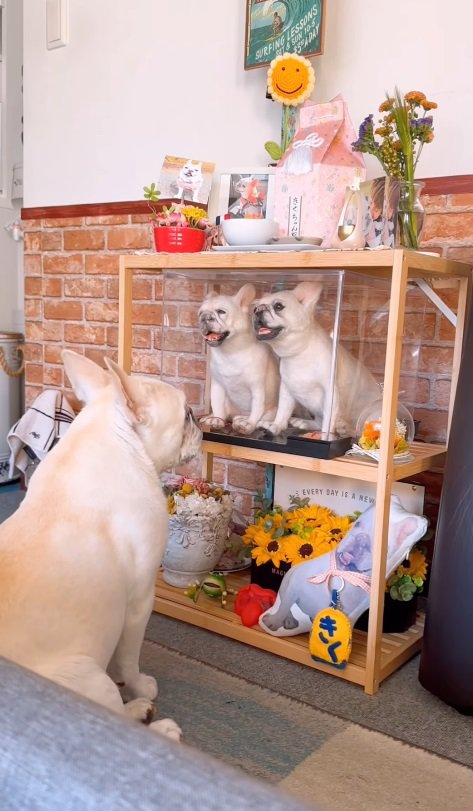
[(289, 311), (223, 317), (191, 171), (156, 412)]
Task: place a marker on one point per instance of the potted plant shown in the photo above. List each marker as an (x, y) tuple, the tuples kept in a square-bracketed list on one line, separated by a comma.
[(199, 519), (283, 538), (402, 588), (178, 227)]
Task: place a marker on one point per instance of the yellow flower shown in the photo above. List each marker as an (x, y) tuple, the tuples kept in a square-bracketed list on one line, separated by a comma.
[(417, 566), (291, 79), (340, 527), (269, 549)]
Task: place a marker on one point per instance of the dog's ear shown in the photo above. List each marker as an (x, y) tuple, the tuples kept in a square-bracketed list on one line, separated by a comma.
[(211, 294), (308, 293), (86, 377), (124, 393), (245, 296)]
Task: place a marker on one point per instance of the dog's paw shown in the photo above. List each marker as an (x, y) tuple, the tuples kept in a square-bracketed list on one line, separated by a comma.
[(243, 425), (273, 428), (140, 709), (144, 687), (211, 422), (342, 428), (167, 727), (303, 425)]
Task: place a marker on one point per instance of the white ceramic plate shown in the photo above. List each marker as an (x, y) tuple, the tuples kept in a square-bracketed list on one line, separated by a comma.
[(296, 246)]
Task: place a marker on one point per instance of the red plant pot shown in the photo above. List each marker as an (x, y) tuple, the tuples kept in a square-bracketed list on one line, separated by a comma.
[(171, 239)]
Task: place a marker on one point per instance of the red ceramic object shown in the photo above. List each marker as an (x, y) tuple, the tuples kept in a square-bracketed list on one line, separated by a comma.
[(171, 239), (251, 601)]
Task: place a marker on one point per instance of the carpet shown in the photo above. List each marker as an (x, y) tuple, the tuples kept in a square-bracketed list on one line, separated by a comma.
[(401, 709), (320, 759)]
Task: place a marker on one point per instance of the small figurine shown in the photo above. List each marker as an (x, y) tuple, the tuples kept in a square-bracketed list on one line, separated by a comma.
[(213, 585)]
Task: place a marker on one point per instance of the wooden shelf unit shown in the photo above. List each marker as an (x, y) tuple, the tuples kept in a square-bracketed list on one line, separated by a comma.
[(375, 655)]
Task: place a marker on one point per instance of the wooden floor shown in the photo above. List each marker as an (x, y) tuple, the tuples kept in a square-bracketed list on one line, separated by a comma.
[(208, 613)]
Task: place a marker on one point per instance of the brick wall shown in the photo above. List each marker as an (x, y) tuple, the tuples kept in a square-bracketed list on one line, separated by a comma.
[(71, 300)]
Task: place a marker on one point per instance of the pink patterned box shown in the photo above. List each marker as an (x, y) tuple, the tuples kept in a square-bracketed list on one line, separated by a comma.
[(312, 175)]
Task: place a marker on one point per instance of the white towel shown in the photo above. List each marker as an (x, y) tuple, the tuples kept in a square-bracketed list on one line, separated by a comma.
[(40, 427)]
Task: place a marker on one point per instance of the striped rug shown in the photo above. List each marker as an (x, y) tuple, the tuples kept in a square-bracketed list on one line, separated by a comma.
[(322, 760)]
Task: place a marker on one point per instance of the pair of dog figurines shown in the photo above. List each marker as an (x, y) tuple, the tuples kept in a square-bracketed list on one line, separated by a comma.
[(270, 358)]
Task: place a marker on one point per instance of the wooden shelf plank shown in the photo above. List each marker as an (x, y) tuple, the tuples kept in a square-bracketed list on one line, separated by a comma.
[(425, 457), (208, 614), (366, 261)]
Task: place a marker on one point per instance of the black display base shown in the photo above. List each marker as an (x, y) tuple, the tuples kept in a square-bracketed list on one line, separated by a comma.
[(320, 446)]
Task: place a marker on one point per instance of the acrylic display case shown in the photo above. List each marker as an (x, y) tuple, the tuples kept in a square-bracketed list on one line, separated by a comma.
[(381, 309)]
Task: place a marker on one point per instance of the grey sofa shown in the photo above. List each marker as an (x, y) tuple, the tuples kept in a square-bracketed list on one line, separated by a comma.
[(59, 752)]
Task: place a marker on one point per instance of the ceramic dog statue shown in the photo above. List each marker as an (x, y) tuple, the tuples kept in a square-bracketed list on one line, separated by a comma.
[(306, 588), (244, 376), (287, 322)]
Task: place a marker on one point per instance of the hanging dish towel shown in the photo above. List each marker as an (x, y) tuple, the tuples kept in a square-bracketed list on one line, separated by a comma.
[(40, 427)]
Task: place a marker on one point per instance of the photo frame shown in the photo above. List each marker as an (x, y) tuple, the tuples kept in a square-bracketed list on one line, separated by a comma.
[(246, 192), (280, 27), (186, 180)]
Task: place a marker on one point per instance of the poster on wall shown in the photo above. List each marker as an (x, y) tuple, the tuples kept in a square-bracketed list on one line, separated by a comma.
[(342, 495), (275, 27)]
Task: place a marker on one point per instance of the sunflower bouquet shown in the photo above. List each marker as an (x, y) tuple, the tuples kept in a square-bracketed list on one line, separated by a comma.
[(293, 536)]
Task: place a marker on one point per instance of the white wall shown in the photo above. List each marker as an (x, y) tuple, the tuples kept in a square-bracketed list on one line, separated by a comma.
[(139, 80), (11, 271)]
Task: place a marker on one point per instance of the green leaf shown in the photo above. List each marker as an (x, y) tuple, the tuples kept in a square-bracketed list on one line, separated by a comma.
[(274, 150), (278, 533), (151, 193)]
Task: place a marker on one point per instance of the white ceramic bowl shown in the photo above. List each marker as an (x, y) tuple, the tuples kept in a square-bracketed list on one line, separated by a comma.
[(248, 231)]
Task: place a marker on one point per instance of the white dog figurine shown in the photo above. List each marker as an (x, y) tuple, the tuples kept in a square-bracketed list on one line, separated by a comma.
[(79, 558), (306, 588), (244, 377), (287, 321), (189, 181)]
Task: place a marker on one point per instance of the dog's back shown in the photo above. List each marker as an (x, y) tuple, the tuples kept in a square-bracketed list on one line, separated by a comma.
[(65, 555), (79, 558)]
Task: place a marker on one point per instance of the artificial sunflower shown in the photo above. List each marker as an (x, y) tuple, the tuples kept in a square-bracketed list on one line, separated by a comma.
[(416, 566), (340, 527), (291, 79), (269, 549)]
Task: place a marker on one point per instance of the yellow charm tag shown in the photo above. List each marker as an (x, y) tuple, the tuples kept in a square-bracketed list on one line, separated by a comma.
[(330, 638)]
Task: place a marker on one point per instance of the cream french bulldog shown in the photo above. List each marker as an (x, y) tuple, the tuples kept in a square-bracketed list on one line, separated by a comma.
[(244, 377), (287, 322), (79, 558)]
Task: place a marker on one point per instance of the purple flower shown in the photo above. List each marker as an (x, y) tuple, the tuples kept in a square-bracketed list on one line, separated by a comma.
[(419, 123), (365, 134)]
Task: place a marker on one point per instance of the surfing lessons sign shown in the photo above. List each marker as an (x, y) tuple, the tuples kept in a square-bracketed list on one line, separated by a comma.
[(275, 27)]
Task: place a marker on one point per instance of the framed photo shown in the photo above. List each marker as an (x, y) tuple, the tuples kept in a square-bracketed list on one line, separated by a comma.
[(186, 179), (246, 193), (282, 26)]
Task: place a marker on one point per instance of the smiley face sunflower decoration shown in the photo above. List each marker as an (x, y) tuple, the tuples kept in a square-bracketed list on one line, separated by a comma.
[(291, 80)]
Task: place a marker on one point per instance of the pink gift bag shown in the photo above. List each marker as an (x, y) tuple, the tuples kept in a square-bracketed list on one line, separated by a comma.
[(312, 175)]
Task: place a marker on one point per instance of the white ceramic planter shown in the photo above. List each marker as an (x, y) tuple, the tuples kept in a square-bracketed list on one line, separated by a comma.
[(195, 544)]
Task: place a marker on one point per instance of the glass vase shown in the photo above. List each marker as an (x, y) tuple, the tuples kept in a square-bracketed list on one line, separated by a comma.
[(410, 214)]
